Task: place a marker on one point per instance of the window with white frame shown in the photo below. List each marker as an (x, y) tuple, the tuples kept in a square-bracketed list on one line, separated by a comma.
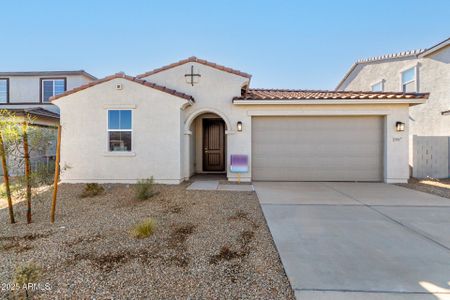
[(4, 90), (51, 87), (409, 80), (378, 87), (119, 130)]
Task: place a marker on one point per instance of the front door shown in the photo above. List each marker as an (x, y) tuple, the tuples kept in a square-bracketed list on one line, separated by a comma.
[(213, 145)]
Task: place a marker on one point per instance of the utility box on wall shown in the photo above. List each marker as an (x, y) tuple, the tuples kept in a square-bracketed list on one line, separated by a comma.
[(431, 156)]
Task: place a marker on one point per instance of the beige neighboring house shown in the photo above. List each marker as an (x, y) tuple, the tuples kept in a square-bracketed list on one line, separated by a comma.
[(425, 70), (193, 116), (28, 94)]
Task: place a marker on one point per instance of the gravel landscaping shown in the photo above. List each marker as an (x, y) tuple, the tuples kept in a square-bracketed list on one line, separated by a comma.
[(206, 245), (438, 187)]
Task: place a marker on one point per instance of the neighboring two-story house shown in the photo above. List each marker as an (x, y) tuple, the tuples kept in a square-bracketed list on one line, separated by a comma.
[(425, 70), (28, 93)]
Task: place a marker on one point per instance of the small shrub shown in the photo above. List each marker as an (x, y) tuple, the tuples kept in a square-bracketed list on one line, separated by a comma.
[(13, 186), (27, 273), (144, 189), (91, 190), (144, 229), (225, 254)]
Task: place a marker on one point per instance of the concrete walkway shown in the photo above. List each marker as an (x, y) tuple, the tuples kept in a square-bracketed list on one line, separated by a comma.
[(211, 185), (359, 240)]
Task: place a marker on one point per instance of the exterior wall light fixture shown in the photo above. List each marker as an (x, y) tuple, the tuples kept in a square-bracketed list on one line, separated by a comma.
[(239, 126), (400, 126)]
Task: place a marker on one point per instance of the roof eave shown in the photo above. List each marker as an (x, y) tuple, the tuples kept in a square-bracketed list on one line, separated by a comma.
[(346, 76), (435, 48), (126, 77), (49, 73)]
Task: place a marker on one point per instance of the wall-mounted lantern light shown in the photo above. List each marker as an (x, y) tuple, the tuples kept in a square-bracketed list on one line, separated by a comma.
[(239, 126), (400, 126)]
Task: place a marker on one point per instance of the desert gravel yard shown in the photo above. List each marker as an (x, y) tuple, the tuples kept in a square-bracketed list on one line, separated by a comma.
[(438, 187), (207, 245)]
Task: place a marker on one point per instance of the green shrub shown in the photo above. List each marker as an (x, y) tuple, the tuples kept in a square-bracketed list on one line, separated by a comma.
[(43, 174), (13, 186), (144, 229), (91, 190), (27, 273), (144, 189)]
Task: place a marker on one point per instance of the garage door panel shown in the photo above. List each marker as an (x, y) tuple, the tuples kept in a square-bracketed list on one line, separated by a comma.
[(323, 162), (271, 136), (293, 150), (317, 148), (322, 175)]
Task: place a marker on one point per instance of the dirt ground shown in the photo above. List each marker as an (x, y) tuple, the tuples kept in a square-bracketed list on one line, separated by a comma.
[(439, 187), (207, 245)]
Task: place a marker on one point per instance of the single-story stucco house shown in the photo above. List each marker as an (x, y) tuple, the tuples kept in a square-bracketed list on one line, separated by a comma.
[(193, 116)]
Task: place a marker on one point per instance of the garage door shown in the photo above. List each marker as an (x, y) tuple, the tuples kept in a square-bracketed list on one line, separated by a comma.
[(317, 148)]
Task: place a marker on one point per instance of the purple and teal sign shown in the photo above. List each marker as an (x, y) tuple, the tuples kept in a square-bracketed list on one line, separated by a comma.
[(239, 163)]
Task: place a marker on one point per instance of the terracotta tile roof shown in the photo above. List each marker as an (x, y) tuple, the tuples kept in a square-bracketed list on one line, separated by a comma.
[(196, 60), (130, 78), (284, 94)]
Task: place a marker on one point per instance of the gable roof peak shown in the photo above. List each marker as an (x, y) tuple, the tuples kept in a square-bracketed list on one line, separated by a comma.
[(196, 60)]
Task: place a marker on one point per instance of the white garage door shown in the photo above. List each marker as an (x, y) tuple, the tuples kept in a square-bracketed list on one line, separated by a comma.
[(348, 148)]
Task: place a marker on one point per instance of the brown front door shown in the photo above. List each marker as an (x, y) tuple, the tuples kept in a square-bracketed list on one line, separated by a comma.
[(213, 145)]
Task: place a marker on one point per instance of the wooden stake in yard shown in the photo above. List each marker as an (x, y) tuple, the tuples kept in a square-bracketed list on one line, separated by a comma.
[(26, 153), (6, 179), (55, 183)]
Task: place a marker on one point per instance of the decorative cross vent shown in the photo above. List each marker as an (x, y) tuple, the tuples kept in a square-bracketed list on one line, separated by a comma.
[(192, 78)]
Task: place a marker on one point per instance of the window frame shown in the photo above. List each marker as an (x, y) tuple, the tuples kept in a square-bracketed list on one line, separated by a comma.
[(375, 83), (7, 90), (402, 84), (41, 87), (119, 130)]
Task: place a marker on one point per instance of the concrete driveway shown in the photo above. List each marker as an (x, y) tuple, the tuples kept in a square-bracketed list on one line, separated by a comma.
[(359, 240)]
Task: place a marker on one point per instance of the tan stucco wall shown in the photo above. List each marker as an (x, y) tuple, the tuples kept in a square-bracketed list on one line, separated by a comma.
[(433, 76), (156, 134), (214, 94), (396, 143), (167, 135)]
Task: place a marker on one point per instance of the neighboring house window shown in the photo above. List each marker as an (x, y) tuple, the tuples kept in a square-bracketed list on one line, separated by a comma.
[(409, 80), (4, 90), (378, 87), (119, 130), (51, 87)]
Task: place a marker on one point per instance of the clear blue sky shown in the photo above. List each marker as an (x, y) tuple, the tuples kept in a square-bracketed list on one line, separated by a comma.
[(283, 44)]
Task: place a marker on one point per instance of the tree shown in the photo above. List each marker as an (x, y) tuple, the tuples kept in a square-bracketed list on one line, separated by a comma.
[(22, 142), (6, 179), (26, 156), (8, 133)]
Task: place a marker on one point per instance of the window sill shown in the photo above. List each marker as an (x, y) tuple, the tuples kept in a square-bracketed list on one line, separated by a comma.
[(119, 154)]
